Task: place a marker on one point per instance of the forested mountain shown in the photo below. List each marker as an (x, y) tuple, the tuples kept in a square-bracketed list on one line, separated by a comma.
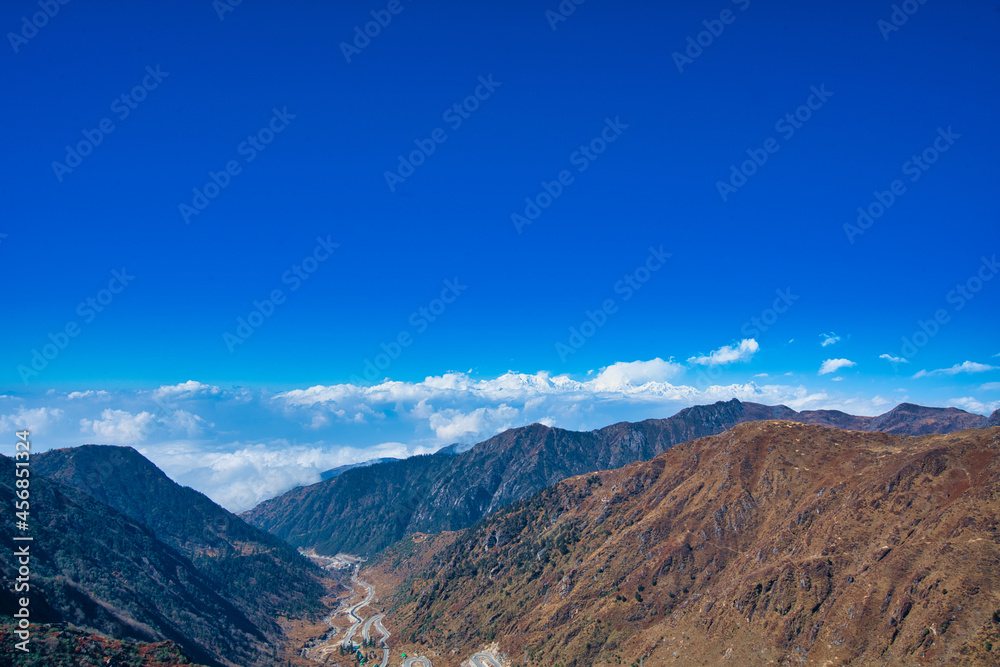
[(133, 556), (261, 574)]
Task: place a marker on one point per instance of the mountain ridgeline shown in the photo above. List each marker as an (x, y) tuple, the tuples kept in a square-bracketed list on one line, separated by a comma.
[(366, 509), (122, 550)]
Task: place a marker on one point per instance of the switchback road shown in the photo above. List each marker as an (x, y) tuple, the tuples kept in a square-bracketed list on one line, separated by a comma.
[(477, 660), (417, 662), (485, 660)]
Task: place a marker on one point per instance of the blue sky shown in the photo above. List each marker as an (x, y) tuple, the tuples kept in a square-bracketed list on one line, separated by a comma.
[(622, 131)]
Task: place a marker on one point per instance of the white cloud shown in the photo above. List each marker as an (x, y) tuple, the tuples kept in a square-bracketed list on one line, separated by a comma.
[(182, 422), (833, 365), (964, 367), (828, 339), (90, 393), (970, 404), (119, 427), (453, 425), (621, 375), (39, 421), (727, 354), (989, 386), (837, 379), (319, 420), (186, 390), (892, 359), (245, 474)]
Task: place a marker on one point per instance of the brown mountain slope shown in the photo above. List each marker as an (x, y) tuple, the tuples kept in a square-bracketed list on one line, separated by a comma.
[(366, 509), (771, 543)]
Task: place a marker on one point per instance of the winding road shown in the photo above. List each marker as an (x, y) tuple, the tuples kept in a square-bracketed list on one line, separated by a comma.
[(366, 634), (366, 631), (416, 662), (353, 611), (477, 660)]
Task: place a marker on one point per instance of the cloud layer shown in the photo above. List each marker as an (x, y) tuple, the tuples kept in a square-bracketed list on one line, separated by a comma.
[(241, 445)]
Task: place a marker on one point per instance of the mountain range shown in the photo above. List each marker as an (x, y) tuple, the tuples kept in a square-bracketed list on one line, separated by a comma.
[(366, 509), (772, 543), (506, 532)]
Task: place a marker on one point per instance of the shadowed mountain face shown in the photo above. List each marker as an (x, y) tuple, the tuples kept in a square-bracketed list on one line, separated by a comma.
[(125, 551), (98, 569), (364, 510), (264, 575), (773, 542)]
